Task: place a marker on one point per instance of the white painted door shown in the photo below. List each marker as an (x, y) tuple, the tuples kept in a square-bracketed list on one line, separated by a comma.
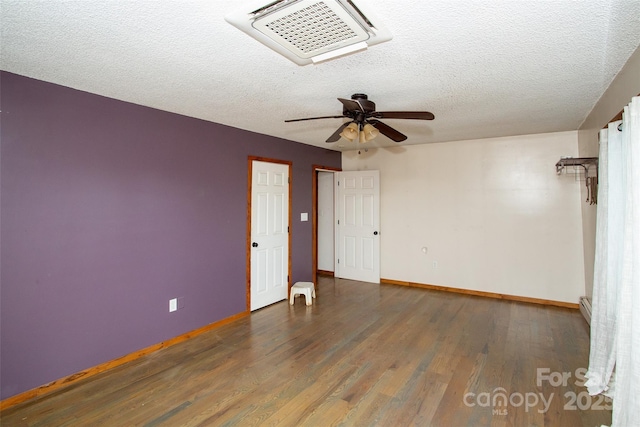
[(269, 233), (357, 225)]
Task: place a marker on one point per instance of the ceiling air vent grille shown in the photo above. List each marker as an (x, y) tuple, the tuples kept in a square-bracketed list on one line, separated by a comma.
[(307, 31), (313, 28)]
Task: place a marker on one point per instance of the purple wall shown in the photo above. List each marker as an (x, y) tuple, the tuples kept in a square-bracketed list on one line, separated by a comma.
[(108, 210)]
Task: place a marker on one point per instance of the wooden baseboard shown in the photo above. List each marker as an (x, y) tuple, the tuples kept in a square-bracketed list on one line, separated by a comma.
[(68, 380), (325, 273), (482, 294)]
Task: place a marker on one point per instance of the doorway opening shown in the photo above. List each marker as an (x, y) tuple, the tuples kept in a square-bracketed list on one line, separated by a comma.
[(323, 219)]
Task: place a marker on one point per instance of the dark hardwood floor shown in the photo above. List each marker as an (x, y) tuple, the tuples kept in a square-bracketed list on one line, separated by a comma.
[(362, 355)]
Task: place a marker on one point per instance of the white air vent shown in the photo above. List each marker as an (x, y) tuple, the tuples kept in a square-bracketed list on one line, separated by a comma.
[(307, 31)]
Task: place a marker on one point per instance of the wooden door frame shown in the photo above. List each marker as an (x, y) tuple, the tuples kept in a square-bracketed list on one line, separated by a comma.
[(314, 216), (289, 222)]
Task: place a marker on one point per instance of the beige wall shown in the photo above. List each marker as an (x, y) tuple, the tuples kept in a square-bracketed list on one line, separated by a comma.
[(492, 213), (625, 86)]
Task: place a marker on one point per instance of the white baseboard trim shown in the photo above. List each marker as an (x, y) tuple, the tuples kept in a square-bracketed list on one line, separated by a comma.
[(585, 308)]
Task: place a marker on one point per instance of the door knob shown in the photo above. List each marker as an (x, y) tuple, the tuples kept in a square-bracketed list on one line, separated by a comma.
[(375, 233), (254, 244)]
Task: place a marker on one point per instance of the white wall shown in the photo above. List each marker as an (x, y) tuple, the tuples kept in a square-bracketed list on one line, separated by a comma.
[(625, 86), (492, 214)]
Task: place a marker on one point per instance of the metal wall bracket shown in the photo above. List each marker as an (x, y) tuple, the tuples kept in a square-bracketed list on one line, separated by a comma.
[(591, 181), (585, 162)]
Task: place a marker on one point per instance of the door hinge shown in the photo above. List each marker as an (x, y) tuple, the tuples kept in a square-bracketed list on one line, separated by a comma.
[(338, 260), (288, 279), (338, 222), (288, 230), (288, 180)]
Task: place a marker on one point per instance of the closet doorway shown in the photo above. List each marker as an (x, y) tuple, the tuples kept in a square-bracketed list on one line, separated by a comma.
[(323, 217)]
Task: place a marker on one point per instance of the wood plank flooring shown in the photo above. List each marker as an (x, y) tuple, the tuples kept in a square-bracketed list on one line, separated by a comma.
[(362, 355)]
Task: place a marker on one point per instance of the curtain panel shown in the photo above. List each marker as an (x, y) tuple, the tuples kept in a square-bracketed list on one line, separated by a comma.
[(614, 361)]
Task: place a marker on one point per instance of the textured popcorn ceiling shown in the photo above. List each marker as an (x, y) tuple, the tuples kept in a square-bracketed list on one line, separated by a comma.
[(484, 68)]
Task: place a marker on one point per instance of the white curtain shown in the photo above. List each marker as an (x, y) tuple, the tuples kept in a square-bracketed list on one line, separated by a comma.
[(615, 321)]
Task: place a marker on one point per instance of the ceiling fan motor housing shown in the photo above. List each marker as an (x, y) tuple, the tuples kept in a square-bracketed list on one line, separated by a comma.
[(368, 106)]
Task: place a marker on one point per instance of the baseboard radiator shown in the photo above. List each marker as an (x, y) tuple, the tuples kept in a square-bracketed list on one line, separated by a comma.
[(585, 308)]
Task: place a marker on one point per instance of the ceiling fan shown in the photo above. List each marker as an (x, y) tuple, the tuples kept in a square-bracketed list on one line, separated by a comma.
[(364, 123)]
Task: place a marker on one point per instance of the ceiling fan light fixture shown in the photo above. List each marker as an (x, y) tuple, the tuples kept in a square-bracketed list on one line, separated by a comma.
[(350, 132), (364, 123), (362, 138), (369, 132)]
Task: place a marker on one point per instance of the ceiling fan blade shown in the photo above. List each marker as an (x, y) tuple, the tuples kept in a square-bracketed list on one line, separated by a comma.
[(388, 131), (336, 134), (416, 115), (351, 104), (314, 118)]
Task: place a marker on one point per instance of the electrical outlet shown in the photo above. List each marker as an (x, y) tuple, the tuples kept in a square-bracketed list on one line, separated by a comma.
[(173, 304), (435, 264)]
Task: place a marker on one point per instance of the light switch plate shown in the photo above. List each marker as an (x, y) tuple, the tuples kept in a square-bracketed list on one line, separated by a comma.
[(304, 216)]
